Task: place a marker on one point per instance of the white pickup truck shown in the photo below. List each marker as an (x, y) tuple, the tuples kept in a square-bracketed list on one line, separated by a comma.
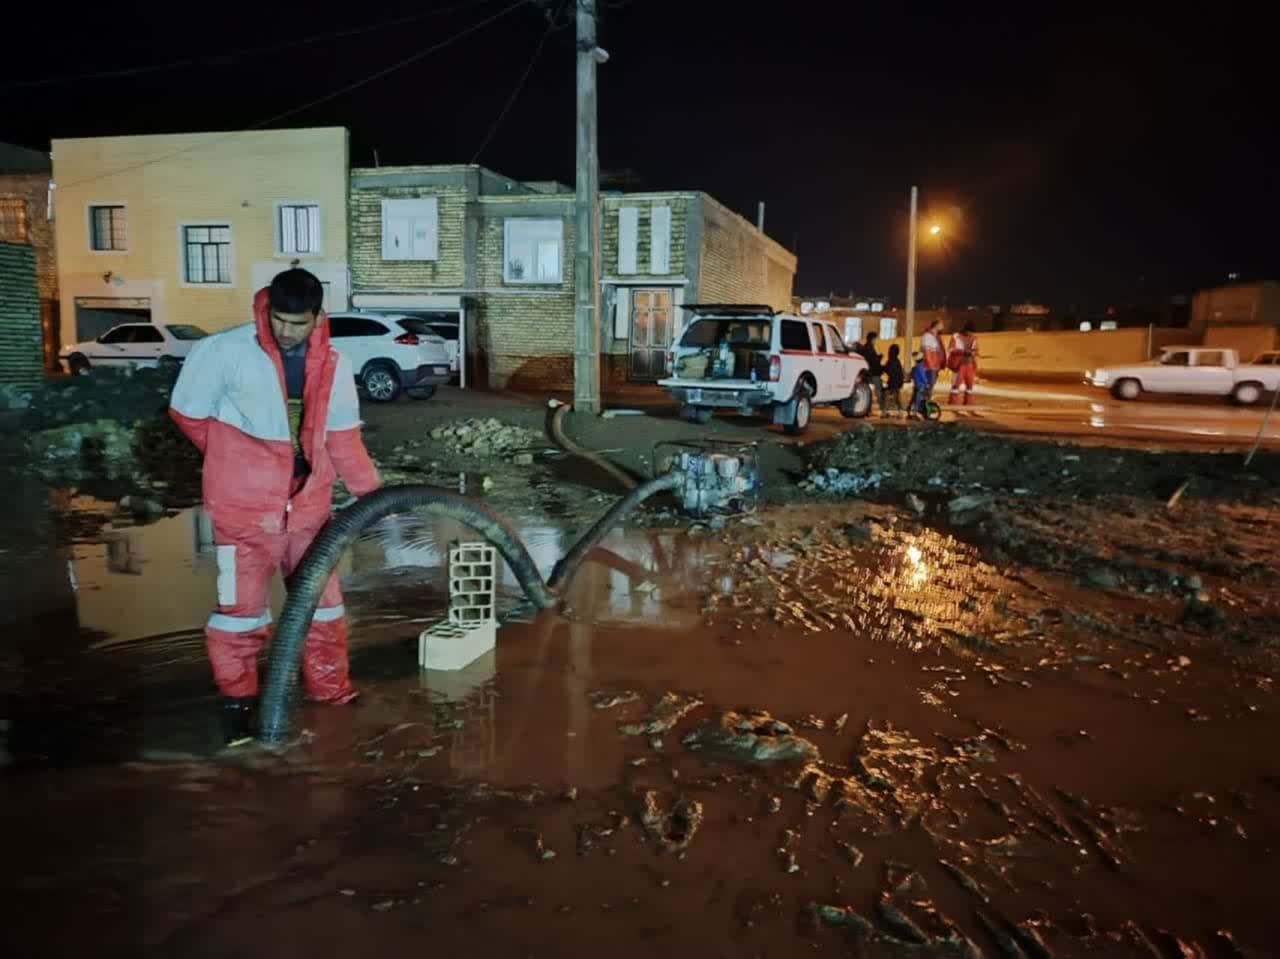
[(753, 359), (1204, 370)]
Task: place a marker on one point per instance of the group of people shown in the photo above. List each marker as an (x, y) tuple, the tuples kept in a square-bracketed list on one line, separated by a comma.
[(887, 377)]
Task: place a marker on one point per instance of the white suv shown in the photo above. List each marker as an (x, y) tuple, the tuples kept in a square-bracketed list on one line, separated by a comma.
[(752, 359), (390, 354)]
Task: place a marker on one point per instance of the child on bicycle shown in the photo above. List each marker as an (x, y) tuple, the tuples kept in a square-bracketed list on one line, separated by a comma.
[(921, 386)]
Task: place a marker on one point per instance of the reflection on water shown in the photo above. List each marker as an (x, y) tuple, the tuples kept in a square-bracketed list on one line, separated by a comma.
[(158, 580)]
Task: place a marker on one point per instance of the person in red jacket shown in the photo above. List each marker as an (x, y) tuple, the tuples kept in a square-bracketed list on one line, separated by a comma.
[(963, 362), (272, 407)]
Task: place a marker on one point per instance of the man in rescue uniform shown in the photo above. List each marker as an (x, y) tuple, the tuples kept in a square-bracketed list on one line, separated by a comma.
[(963, 361), (272, 407)]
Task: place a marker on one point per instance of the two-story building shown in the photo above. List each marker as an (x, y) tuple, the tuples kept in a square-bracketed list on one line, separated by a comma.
[(184, 228), (495, 255), (24, 220)]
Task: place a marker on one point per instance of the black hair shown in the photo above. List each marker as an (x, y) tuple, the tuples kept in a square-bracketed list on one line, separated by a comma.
[(873, 335), (296, 291), (968, 328), (894, 350)]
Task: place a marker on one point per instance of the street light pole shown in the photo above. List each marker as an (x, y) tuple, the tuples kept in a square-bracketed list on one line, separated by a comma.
[(909, 332), (586, 309)]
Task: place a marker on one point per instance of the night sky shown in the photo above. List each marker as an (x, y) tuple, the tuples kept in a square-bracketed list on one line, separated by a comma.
[(1075, 158)]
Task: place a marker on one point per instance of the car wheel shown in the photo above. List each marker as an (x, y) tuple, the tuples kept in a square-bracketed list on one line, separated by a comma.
[(1127, 389), (1246, 394), (697, 414), (79, 365), (858, 404), (804, 411), (381, 382), (423, 392)]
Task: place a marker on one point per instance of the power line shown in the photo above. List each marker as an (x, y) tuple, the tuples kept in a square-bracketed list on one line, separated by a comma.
[(217, 59), (412, 58), (537, 52)]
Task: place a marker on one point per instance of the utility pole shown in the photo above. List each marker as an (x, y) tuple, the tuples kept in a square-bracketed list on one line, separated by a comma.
[(586, 266), (909, 332)]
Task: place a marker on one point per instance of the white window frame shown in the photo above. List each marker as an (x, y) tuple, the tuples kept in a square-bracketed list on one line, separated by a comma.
[(88, 220), (888, 328), (628, 240), (182, 254), (424, 203), (531, 221), (279, 227), (660, 239)]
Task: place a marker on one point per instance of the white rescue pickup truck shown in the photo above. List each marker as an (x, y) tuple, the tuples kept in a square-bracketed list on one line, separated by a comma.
[(752, 359), (1203, 370)]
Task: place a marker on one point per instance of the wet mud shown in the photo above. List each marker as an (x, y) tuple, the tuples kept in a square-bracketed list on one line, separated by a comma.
[(847, 728)]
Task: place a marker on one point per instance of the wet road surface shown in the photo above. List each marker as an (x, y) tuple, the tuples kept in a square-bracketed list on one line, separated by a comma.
[(988, 756), (1070, 411)]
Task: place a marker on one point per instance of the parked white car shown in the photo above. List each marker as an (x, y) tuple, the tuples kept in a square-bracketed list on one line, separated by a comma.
[(1203, 370), (391, 354), (753, 359), (132, 344)]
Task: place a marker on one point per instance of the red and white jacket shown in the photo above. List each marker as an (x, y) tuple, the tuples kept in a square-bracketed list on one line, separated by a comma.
[(231, 402)]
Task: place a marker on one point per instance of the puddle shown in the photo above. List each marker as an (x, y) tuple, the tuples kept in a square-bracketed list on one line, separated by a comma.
[(967, 736)]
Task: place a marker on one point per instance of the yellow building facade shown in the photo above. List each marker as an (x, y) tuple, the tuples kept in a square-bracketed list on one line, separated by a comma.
[(185, 228)]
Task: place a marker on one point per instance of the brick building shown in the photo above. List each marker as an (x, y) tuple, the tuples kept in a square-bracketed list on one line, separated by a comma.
[(1242, 316), (24, 219), (496, 256), (21, 353)]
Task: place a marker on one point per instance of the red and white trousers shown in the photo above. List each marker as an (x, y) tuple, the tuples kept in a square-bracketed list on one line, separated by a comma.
[(240, 626)]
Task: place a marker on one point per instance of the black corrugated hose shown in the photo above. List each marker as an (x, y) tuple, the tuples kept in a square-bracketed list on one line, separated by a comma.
[(308, 580)]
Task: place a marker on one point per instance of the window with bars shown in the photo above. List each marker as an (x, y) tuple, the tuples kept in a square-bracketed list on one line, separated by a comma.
[(208, 253), (107, 228), (14, 224), (299, 228)]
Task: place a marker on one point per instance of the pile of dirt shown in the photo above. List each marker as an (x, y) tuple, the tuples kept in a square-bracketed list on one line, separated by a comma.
[(123, 395), (952, 457), (484, 438)]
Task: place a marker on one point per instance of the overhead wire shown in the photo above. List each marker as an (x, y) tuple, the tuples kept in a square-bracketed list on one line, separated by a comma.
[(341, 91), (215, 59), (524, 77)]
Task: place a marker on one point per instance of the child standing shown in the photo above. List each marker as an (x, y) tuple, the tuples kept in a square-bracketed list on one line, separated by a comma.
[(895, 377)]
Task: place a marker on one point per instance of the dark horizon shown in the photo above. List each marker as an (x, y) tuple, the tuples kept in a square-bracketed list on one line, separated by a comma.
[(1082, 160)]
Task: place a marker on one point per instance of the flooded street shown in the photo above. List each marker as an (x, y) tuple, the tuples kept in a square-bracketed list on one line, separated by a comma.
[(828, 729)]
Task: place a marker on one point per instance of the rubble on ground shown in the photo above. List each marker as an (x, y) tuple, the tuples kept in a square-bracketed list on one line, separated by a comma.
[(485, 438), (123, 395), (754, 737), (947, 457)]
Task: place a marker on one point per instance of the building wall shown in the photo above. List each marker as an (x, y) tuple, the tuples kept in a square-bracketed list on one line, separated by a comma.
[(739, 264), (1241, 304), (1248, 340), (21, 350), (369, 187), (523, 333), (33, 190), (166, 181)]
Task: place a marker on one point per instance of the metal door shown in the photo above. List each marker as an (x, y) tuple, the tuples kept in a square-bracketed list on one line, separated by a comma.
[(652, 321)]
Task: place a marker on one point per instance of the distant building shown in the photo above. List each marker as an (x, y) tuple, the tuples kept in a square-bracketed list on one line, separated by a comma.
[(496, 256), (1242, 316), (185, 228), (24, 219)]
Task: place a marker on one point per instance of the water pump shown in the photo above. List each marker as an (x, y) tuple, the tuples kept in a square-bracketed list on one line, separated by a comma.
[(717, 477)]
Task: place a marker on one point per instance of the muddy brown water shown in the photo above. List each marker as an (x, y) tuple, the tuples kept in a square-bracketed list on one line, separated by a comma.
[(1084, 768)]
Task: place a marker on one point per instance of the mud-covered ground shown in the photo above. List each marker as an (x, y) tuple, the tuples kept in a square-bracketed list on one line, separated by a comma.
[(1007, 699)]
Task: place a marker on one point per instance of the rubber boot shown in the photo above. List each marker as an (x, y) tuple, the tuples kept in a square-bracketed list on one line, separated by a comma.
[(237, 720)]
